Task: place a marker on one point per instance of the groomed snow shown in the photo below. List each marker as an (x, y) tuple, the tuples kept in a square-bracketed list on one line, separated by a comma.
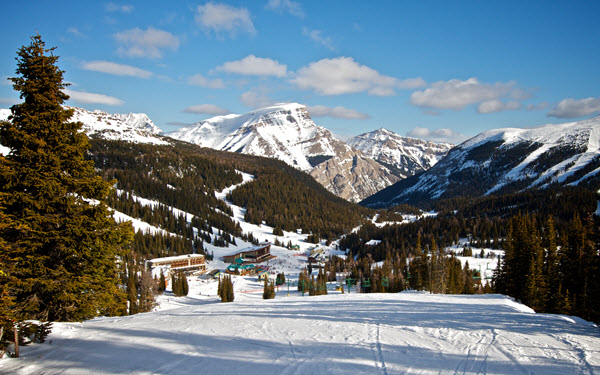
[(405, 333)]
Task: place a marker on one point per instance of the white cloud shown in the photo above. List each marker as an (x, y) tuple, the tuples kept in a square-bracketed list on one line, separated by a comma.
[(200, 80), (456, 94), (492, 106), (116, 69), (571, 108), (209, 109), (538, 107), (75, 31), (252, 65), (91, 98), (317, 37), (145, 43), (222, 18), (438, 135), (336, 112), (343, 75), (292, 7), (112, 7), (253, 100)]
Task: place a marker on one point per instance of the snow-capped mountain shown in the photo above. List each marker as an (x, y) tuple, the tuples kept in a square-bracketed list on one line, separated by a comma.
[(506, 160), (287, 132), (130, 127), (406, 156)]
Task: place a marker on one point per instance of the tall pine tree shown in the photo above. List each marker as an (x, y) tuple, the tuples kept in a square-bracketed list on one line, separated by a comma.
[(62, 242)]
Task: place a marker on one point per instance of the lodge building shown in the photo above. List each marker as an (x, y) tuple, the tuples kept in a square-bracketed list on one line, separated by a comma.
[(253, 254), (189, 262)]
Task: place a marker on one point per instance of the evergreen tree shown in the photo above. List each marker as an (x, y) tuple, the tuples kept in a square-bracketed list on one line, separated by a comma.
[(225, 289), (132, 295), (184, 285), (147, 290), (162, 283), (62, 240), (303, 281), (269, 289)]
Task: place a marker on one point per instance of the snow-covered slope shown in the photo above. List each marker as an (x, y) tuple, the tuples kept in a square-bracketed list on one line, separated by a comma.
[(507, 160), (406, 333), (130, 127), (287, 132), (407, 156)]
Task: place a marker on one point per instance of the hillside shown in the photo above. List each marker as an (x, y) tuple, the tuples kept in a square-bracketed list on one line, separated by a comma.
[(504, 161), (406, 333), (186, 177)]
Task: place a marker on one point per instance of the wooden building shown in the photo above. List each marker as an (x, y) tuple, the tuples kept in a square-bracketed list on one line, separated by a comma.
[(189, 262), (253, 254)]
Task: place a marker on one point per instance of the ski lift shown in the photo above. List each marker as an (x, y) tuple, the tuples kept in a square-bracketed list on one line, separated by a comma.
[(366, 283), (385, 281)]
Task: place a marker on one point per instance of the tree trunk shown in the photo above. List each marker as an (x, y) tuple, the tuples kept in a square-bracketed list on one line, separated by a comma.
[(16, 340)]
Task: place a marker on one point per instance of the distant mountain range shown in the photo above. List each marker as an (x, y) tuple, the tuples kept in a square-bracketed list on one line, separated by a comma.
[(505, 161), (354, 171)]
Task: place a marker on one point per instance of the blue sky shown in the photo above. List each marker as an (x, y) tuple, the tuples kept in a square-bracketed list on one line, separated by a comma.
[(436, 70)]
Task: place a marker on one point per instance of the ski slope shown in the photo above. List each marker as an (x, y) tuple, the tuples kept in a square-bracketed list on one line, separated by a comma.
[(405, 333)]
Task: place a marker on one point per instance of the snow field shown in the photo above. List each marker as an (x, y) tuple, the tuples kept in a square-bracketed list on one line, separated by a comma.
[(405, 333)]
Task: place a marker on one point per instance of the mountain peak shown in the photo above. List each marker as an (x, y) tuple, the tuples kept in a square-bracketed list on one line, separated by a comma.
[(282, 131), (407, 156)]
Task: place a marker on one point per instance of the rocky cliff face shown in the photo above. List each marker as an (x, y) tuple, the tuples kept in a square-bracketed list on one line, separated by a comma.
[(405, 156), (353, 176)]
